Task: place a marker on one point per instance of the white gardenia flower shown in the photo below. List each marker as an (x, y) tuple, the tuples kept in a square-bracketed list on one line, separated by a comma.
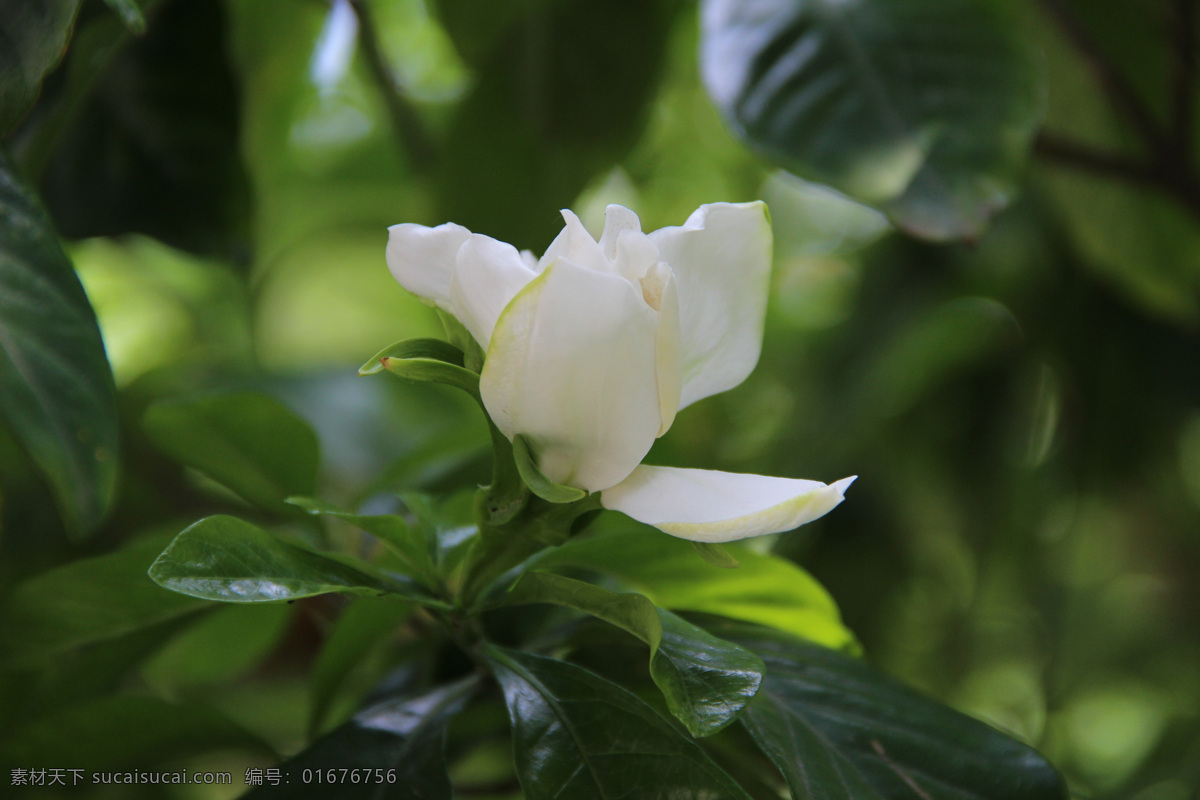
[(593, 348)]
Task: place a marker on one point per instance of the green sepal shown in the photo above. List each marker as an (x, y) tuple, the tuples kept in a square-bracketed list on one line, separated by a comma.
[(424, 360), (538, 483)]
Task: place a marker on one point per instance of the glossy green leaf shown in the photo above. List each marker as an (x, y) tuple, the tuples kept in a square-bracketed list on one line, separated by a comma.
[(56, 389), (765, 589), (249, 442), (225, 558), (706, 681), (580, 736), (411, 545), (362, 629), (125, 732), (424, 361), (428, 349), (924, 108), (838, 730), (400, 743), (87, 601), (130, 13), (34, 33), (538, 483)]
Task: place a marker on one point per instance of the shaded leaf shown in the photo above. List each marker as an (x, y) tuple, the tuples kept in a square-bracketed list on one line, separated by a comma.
[(33, 34), (87, 601), (538, 483), (924, 108), (125, 731), (764, 589), (838, 730), (130, 14), (249, 442), (399, 741), (56, 389), (224, 558), (412, 546), (706, 681), (577, 735)]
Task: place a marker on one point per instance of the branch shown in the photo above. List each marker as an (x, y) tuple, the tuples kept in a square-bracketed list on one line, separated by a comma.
[(1184, 89), (407, 123), (1119, 91)]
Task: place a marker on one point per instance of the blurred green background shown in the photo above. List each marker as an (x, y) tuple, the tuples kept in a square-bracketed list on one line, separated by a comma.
[(1022, 404)]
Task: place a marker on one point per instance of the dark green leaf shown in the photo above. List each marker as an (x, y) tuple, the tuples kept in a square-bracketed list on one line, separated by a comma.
[(154, 148), (765, 589), (87, 601), (56, 390), (555, 103), (838, 730), (249, 442), (924, 108), (413, 546), (33, 34), (579, 736), (361, 630), (707, 681), (538, 483), (403, 739), (224, 558), (124, 732)]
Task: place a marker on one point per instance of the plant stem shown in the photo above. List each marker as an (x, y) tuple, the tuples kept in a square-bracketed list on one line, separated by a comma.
[(404, 118)]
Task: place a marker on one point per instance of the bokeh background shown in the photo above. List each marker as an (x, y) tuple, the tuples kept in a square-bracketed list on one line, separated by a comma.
[(1021, 403)]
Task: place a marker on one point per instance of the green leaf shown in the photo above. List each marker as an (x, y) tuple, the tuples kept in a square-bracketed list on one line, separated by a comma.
[(716, 555), (838, 730), (125, 732), (360, 631), (249, 442), (224, 558), (764, 589), (580, 736), (87, 601), (56, 389), (924, 108), (140, 156), (435, 349), (412, 546), (34, 33), (706, 681), (538, 483), (402, 739)]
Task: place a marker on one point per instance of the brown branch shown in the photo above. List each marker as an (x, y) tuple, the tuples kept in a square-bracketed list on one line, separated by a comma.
[(1121, 94), (404, 118)]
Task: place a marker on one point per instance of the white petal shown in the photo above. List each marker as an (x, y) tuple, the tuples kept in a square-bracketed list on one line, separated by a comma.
[(576, 245), (667, 341), (722, 261), (710, 506), (617, 220), (422, 259), (488, 274), (573, 367)]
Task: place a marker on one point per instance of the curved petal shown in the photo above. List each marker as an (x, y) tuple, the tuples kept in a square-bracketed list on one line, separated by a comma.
[(722, 261), (576, 245), (487, 275), (422, 259), (710, 506), (572, 367)]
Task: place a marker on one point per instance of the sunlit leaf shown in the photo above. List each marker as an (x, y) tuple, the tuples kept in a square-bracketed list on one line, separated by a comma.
[(764, 589), (707, 681), (924, 108), (577, 735)]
